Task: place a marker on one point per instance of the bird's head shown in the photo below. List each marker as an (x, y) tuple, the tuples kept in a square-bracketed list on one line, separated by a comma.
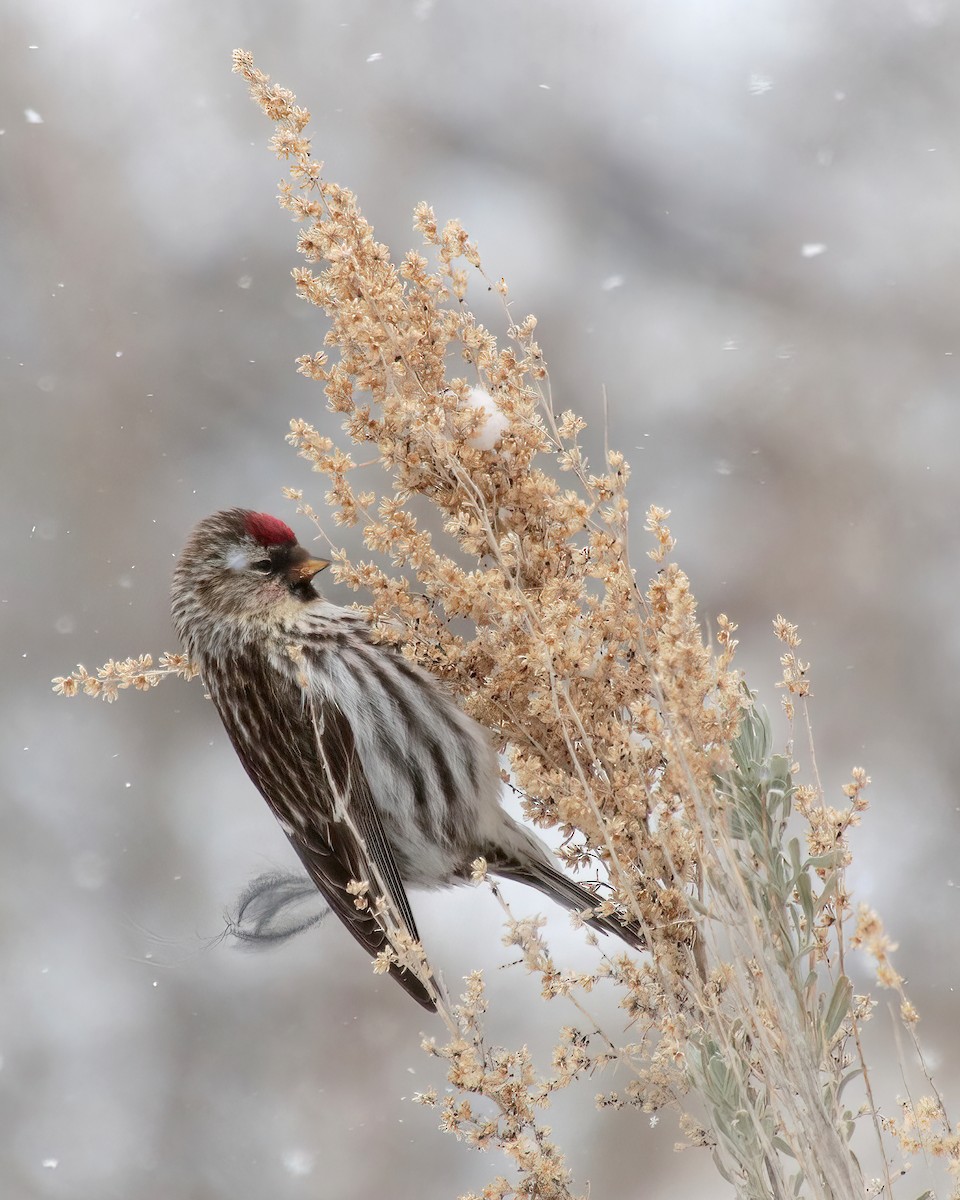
[(241, 568)]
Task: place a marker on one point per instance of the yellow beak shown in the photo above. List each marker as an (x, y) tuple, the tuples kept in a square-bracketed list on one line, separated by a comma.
[(308, 568)]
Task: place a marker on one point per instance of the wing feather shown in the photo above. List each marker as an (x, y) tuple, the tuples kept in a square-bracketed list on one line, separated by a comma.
[(313, 780), (338, 752)]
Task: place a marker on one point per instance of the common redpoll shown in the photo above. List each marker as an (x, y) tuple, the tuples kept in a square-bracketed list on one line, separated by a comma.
[(375, 775)]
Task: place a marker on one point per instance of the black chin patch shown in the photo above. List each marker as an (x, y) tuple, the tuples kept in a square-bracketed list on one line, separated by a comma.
[(304, 590)]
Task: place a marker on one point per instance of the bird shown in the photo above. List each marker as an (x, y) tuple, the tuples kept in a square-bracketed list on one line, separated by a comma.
[(374, 772)]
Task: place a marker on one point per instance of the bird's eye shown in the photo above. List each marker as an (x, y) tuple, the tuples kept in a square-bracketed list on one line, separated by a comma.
[(263, 566)]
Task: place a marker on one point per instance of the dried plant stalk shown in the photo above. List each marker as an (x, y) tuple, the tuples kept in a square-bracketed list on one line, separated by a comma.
[(623, 729)]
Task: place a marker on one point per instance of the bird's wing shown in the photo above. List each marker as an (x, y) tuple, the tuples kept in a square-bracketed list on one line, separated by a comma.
[(354, 845), (315, 785), (335, 862)]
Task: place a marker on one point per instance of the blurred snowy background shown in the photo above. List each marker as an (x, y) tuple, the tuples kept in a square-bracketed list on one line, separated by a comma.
[(741, 219)]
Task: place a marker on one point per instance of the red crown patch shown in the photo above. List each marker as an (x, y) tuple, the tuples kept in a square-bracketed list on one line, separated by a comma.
[(267, 530)]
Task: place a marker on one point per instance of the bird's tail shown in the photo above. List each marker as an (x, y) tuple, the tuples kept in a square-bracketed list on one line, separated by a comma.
[(547, 879)]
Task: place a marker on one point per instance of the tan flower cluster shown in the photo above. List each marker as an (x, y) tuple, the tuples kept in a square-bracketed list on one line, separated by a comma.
[(510, 1081), (113, 677), (794, 680), (827, 827), (924, 1128), (872, 937)]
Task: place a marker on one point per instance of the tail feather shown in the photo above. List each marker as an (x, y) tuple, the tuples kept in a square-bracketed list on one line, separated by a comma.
[(553, 883)]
